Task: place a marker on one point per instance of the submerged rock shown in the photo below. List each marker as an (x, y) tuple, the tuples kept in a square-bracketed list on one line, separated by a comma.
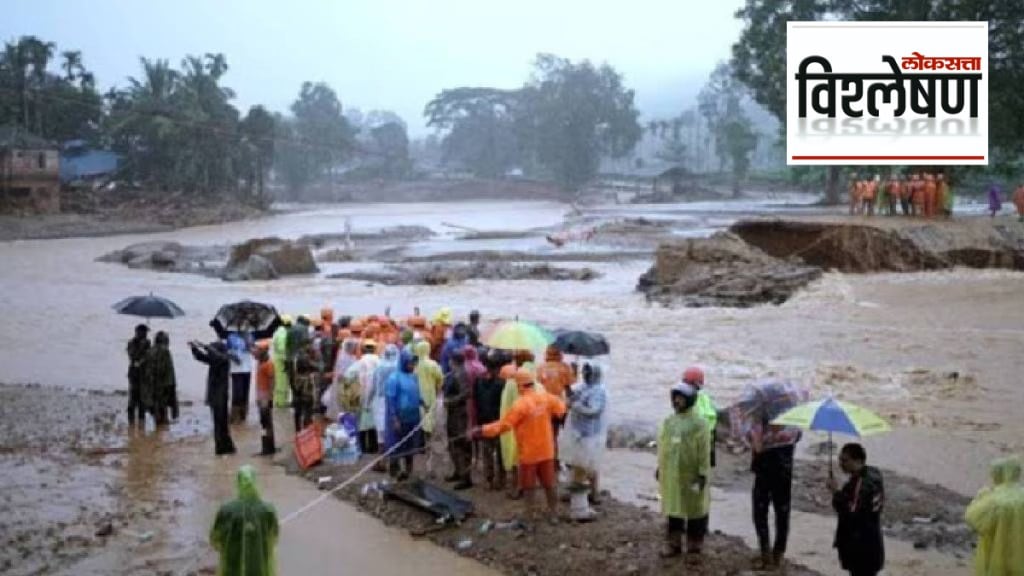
[(169, 257), (722, 270), (441, 274), (267, 258)]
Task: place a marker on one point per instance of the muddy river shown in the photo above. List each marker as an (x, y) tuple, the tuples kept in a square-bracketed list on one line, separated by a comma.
[(938, 354)]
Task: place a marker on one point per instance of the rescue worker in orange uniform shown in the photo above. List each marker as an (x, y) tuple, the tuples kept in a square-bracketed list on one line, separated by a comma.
[(530, 420)]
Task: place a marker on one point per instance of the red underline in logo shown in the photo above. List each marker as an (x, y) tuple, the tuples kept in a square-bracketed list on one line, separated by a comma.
[(888, 157)]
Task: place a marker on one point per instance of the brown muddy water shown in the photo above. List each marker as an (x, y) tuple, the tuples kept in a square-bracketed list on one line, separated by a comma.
[(890, 342)]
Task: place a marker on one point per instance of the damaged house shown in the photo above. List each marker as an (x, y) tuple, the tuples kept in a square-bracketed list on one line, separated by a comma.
[(29, 173)]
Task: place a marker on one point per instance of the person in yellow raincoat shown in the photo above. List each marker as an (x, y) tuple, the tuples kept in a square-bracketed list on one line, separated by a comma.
[(509, 454), (997, 515), (429, 375), (684, 473), (245, 532), (279, 355)]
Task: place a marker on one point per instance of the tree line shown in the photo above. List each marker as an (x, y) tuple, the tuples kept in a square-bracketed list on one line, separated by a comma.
[(177, 130)]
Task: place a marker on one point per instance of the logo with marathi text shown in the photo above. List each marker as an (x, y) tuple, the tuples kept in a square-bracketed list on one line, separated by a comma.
[(886, 93)]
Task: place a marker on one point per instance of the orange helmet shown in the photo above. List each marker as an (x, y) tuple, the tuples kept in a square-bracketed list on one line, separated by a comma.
[(694, 376)]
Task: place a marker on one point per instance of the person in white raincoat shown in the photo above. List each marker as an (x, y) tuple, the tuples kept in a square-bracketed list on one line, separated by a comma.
[(362, 372), (582, 442)]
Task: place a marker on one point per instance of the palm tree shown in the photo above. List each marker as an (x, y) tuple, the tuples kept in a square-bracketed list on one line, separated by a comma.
[(72, 65)]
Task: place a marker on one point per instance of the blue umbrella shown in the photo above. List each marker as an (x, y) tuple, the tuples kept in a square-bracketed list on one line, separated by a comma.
[(148, 307), (831, 415)]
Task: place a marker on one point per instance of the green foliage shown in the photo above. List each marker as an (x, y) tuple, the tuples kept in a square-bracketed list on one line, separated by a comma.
[(481, 131), (56, 106), (578, 114), (176, 129), (560, 124), (315, 140), (720, 102)]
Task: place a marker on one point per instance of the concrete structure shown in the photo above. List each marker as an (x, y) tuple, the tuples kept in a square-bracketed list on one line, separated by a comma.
[(29, 173)]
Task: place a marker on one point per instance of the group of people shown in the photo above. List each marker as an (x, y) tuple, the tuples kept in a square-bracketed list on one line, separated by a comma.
[(152, 386), (921, 194), (522, 420)]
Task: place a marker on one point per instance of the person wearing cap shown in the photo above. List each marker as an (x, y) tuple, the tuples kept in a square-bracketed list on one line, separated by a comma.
[(279, 355), (694, 376), (137, 349), (265, 376), (362, 374), (530, 420), (684, 473)]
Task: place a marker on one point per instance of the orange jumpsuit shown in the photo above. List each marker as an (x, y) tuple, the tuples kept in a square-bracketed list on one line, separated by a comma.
[(854, 193), (530, 418), (930, 198), (895, 193), (554, 374), (868, 196), (1018, 201), (917, 196)]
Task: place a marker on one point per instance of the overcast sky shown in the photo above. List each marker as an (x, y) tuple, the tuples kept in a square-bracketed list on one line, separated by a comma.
[(390, 54)]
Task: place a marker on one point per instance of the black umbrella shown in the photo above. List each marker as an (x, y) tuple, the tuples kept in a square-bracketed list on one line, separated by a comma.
[(580, 343), (246, 316), (148, 307)]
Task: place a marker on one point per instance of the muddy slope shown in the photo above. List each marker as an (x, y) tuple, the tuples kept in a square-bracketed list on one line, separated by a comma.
[(888, 244)]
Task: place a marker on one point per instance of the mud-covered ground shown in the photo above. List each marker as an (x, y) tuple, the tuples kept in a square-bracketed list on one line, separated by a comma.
[(924, 514), (624, 539), (67, 480)]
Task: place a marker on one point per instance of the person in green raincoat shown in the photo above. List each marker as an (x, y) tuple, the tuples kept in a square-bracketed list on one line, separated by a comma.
[(694, 376), (279, 355), (684, 470), (245, 532), (997, 515)]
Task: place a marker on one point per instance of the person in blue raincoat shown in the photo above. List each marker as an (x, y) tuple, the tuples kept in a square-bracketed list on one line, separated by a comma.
[(404, 402)]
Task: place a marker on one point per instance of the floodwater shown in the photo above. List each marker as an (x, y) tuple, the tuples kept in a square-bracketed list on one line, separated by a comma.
[(888, 341)]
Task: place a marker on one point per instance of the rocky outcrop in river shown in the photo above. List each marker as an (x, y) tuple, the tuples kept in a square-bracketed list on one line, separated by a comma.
[(722, 270), (268, 258)]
